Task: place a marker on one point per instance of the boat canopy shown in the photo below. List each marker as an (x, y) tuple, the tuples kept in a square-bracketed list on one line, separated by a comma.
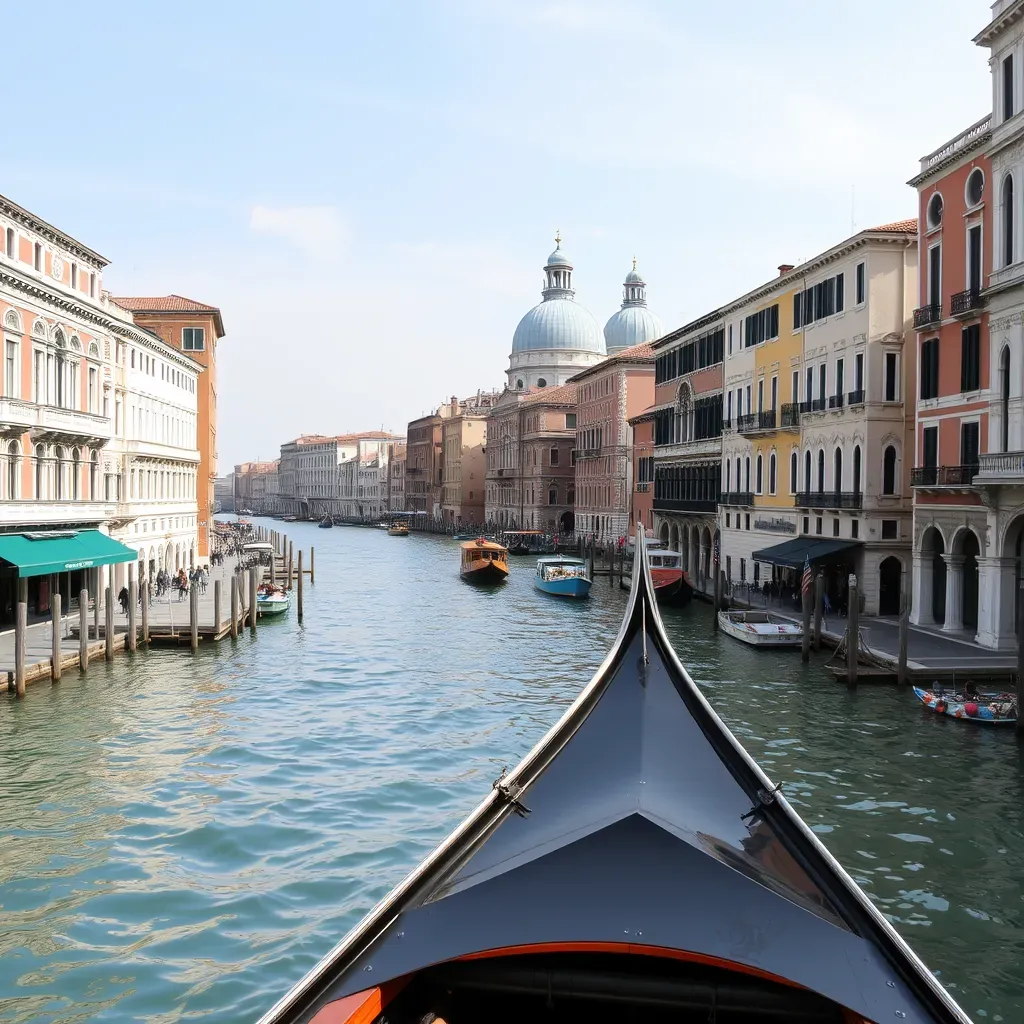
[(793, 553), (560, 560), (258, 546), (638, 826)]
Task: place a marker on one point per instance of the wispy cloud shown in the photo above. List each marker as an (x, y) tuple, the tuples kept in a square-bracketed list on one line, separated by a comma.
[(320, 231)]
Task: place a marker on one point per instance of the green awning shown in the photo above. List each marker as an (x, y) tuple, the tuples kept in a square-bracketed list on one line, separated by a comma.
[(816, 549), (39, 554)]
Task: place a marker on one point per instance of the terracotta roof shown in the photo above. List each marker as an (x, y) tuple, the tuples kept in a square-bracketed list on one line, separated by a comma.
[(368, 435), (645, 350), (168, 304), (553, 396), (897, 226)]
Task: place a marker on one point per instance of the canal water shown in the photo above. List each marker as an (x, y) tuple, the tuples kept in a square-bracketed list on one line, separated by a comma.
[(184, 837)]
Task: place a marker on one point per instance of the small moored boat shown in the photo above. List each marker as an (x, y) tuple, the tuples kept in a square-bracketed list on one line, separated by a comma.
[(326, 523), (528, 542), (398, 530), (636, 865), (483, 561), (671, 587), (271, 600), (761, 629), (987, 708), (562, 575)]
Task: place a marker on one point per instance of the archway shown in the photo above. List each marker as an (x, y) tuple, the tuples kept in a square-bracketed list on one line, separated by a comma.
[(674, 537), (966, 545), (933, 548), (566, 522), (705, 553), (684, 547), (663, 534), (890, 578), (168, 556)]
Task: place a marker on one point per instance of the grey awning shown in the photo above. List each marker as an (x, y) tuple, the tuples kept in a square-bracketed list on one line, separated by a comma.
[(794, 552)]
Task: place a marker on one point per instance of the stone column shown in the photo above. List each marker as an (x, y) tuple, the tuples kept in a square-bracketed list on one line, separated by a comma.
[(922, 581), (954, 593), (997, 584)]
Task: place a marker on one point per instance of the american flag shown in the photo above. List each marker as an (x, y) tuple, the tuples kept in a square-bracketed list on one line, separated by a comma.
[(808, 578), (718, 550)]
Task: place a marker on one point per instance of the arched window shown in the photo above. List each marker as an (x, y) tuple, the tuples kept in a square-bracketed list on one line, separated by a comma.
[(12, 470), (552, 496), (1007, 220), (40, 472), (94, 477), (772, 470), (856, 469), (1004, 387), (59, 478), (807, 470), (759, 468), (821, 470), (889, 470), (793, 466), (837, 471), (746, 466), (76, 473)]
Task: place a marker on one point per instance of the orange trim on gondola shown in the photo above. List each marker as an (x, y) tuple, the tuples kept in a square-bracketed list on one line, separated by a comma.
[(360, 1007)]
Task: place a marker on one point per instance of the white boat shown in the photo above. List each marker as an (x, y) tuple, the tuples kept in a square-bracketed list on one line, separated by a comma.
[(761, 629)]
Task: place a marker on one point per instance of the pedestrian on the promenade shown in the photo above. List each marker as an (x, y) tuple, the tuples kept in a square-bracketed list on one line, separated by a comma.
[(122, 600)]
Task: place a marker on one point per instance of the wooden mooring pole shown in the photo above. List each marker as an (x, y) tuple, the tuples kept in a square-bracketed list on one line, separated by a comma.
[(805, 639), (145, 611), (193, 617), (291, 552), (719, 586), (252, 599), (312, 564), (55, 636), (298, 587), (216, 608), (83, 631), (819, 607), (901, 664), (20, 629), (234, 607), (133, 603), (96, 604), (852, 633), (1020, 655), (108, 623)]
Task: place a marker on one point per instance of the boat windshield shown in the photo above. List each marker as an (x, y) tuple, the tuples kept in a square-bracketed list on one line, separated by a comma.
[(562, 571)]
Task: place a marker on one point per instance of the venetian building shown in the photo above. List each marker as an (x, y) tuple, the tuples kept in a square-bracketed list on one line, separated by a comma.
[(558, 337), (634, 323)]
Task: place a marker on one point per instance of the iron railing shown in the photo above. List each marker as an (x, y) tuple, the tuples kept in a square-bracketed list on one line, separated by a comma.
[(942, 476), (830, 499), (924, 316)]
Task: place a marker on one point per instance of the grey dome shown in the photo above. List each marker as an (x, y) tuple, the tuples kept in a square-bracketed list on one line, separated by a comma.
[(630, 326), (558, 323), (558, 259)]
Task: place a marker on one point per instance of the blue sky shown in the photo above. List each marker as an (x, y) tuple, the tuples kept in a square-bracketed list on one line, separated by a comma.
[(369, 190)]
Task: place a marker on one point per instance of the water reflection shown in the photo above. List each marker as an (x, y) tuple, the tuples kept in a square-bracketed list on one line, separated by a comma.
[(189, 839)]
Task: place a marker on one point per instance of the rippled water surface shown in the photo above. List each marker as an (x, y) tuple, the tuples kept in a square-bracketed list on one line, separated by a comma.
[(184, 837)]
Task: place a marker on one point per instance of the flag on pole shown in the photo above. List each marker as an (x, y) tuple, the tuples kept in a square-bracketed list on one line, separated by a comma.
[(718, 550), (808, 578)]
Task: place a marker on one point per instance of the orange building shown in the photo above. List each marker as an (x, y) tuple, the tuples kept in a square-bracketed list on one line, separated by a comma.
[(194, 328)]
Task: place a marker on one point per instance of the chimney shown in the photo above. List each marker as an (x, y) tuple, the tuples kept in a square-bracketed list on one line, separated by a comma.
[(784, 269)]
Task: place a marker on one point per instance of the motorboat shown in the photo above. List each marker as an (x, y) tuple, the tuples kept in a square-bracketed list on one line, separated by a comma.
[(671, 587), (562, 575), (398, 530), (326, 523), (636, 865), (271, 600), (761, 629), (483, 561), (986, 708)]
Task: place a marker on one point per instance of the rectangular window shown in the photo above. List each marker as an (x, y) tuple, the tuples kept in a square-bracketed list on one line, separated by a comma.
[(760, 395), (839, 377), (1008, 90), (775, 393), (728, 406), (835, 527), (92, 389), (730, 339), (74, 275), (554, 457), (840, 292), (854, 528), (795, 393), (749, 406), (810, 384), (817, 525), (807, 524), (858, 372), (969, 443), (797, 310), (860, 283), (892, 375), (37, 256), (822, 371), (193, 339), (974, 258), (12, 243), (39, 378), (570, 421), (890, 529), (929, 370), (935, 275), (970, 358), (12, 369), (930, 447)]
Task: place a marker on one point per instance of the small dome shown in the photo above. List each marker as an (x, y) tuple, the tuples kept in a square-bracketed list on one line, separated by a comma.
[(558, 324), (558, 259), (630, 326), (633, 277)]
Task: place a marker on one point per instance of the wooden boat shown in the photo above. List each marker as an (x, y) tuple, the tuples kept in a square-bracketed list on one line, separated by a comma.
[(326, 523), (271, 600), (398, 530), (761, 629), (483, 561), (987, 708), (562, 575), (671, 587), (636, 866)]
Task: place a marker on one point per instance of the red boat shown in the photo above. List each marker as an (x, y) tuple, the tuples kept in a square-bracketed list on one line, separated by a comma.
[(671, 587)]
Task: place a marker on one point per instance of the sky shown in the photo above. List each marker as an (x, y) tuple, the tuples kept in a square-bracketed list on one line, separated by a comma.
[(369, 191)]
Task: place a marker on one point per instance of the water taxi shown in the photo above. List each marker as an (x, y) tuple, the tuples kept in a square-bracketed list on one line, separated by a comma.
[(398, 530), (637, 865), (562, 575), (271, 600), (671, 586), (761, 629), (483, 561)]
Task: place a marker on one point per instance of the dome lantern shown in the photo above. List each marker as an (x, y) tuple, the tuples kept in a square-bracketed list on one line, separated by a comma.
[(634, 323)]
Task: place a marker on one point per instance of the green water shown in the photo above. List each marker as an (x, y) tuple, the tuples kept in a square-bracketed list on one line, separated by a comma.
[(184, 837)]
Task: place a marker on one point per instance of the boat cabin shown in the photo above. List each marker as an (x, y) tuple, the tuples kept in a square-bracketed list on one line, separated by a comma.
[(559, 567), (665, 559), (477, 552)]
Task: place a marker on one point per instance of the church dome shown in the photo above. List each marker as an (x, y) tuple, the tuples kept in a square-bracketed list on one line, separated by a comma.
[(558, 322), (634, 323)]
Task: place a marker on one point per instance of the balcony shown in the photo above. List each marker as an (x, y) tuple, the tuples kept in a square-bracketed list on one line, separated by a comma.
[(697, 447), (791, 414), (643, 487), (813, 405), (835, 401), (966, 303), (943, 476), (927, 316), (1000, 468), (685, 505), (830, 499), (756, 422), (737, 498), (855, 397), (70, 425)]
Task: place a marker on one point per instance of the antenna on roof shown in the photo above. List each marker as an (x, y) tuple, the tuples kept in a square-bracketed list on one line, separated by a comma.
[(853, 209)]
